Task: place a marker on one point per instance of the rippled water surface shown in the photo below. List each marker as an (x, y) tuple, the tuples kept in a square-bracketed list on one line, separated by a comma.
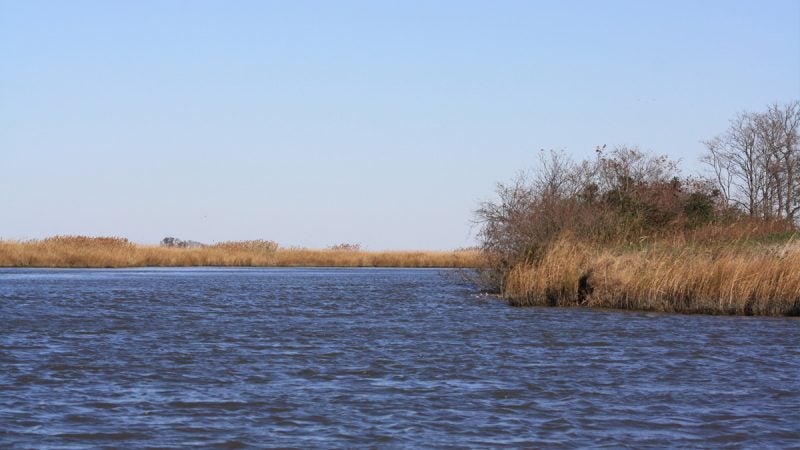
[(372, 357)]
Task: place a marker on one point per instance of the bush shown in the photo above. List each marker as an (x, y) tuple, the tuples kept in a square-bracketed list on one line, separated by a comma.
[(623, 196), (346, 247), (174, 242)]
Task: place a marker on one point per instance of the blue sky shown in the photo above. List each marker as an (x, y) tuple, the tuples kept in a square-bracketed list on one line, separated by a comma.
[(382, 123)]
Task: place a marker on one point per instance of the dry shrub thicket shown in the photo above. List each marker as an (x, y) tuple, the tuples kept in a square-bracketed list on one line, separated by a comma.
[(85, 252), (625, 230)]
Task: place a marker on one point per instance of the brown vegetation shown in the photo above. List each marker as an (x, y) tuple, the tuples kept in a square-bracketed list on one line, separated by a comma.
[(756, 162), (625, 230), (756, 279), (81, 251)]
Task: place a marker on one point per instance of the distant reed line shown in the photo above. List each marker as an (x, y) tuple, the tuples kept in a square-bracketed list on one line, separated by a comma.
[(113, 252)]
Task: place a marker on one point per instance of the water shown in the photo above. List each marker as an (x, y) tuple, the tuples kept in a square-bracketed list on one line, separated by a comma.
[(234, 358)]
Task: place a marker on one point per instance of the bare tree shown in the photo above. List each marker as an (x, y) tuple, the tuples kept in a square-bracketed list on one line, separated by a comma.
[(735, 155), (756, 162), (777, 132), (722, 166), (791, 157)]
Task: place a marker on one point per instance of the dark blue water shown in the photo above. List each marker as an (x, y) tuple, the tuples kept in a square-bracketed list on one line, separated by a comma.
[(372, 358)]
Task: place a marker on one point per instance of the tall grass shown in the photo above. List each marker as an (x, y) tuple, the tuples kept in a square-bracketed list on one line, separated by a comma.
[(108, 252), (741, 279)]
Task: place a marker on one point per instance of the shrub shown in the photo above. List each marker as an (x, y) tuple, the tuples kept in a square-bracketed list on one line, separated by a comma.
[(623, 196), (346, 247)]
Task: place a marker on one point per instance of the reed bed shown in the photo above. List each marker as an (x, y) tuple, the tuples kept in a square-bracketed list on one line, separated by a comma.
[(111, 252), (734, 279)]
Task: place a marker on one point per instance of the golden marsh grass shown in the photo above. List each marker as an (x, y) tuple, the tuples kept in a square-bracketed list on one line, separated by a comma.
[(110, 252), (761, 279)]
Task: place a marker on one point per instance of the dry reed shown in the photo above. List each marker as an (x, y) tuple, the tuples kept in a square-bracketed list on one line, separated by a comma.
[(105, 252), (733, 279)]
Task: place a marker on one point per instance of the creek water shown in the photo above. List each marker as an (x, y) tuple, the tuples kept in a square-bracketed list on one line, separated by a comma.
[(237, 358)]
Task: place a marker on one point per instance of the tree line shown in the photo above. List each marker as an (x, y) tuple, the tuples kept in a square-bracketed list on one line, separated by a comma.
[(756, 162)]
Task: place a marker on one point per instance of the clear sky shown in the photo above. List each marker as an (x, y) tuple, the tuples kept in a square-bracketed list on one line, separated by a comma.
[(378, 122)]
